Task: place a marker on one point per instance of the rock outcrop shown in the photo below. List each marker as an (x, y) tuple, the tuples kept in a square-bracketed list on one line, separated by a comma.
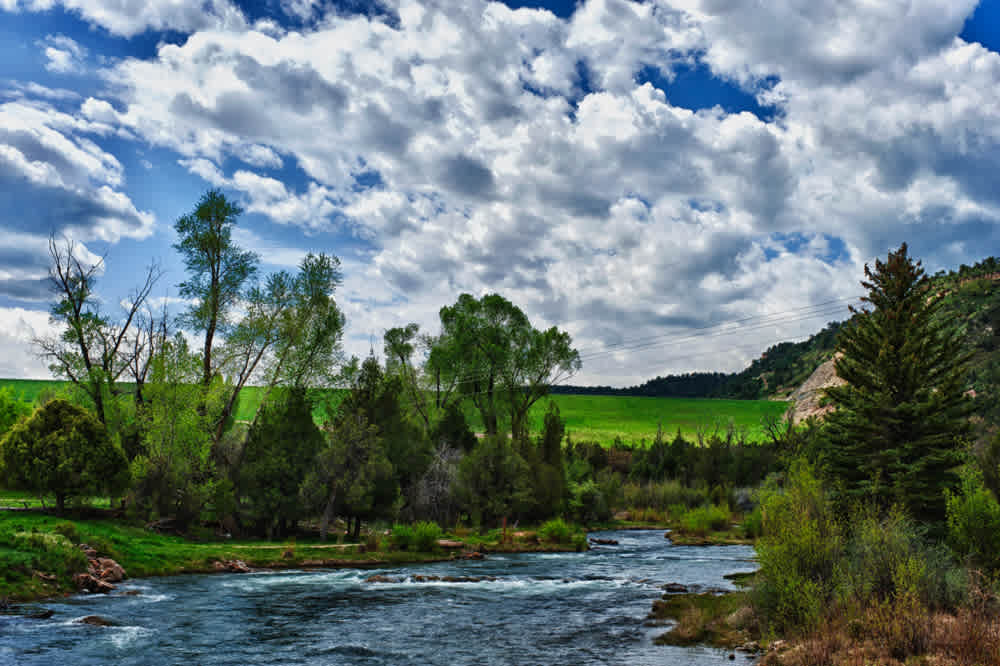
[(808, 398)]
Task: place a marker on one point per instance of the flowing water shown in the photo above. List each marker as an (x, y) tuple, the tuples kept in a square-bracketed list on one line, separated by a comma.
[(558, 608)]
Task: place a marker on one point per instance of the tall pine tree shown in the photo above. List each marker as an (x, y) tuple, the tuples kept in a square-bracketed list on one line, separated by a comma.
[(902, 416)]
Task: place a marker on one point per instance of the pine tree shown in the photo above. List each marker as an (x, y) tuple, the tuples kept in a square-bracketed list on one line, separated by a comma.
[(898, 431)]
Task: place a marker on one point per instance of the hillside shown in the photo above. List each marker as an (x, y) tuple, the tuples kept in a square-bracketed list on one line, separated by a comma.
[(971, 297)]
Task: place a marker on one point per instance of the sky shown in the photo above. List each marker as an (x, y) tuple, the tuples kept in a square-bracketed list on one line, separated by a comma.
[(677, 183)]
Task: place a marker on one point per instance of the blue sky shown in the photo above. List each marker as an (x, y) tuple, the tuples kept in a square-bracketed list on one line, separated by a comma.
[(619, 169)]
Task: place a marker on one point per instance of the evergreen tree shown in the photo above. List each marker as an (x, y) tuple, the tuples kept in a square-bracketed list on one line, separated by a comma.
[(280, 451), (897, 433)]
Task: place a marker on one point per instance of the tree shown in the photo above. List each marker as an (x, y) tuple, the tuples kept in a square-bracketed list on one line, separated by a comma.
[(92, 350), (901, 418), (64, 450), (493, 481), (281, 448), (218, 269), (407, 448), (174, 474), (349, 472), (490, 350)]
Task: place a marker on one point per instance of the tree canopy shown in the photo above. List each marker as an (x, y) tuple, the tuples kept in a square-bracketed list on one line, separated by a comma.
[(61, 449)]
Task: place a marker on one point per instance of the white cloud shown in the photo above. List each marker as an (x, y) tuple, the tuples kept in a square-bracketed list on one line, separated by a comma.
[(128, 18), (20, 327), (63, 55), (615, 214)]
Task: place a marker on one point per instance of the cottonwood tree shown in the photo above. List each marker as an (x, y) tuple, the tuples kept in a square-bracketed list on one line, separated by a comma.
[(218, 270), (489, 349), (902, 417), (93, 349)]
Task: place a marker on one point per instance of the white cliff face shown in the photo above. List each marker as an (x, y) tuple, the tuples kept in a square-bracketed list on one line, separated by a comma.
[(808, 398)]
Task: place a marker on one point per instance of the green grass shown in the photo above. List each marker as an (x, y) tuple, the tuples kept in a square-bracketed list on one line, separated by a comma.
[(633, 419), (588, 417)]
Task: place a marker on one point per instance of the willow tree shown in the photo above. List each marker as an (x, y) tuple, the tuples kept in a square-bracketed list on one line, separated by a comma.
[(902, 417)]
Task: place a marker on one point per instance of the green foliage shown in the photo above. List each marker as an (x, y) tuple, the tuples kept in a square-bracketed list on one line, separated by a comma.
[(556, 531), (974, 523), (12, 409), (798, 553), (63, 450), (68, 530), (493, 481), (174, 475), (888, 557), (498, 360), (704, 519), (587, 503), (425, 536), (402, 536), (753, 524), (902, 417), (217, 268), (281, 448)]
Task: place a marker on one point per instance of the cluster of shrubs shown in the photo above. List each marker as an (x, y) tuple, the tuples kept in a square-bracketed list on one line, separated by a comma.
[(875, 574)]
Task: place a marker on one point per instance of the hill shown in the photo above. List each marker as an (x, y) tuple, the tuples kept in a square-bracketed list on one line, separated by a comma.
[(971, 297)]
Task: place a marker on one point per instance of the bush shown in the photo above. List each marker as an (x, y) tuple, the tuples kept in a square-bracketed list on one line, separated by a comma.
[(68, 530), (753, 524), (887, 558), (704, 519), (798, 553), (402, 536), (974, 523), (587, 503), (425, 536), (556, 531)]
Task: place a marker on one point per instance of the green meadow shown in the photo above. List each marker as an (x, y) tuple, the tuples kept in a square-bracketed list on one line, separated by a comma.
[(588, 417)]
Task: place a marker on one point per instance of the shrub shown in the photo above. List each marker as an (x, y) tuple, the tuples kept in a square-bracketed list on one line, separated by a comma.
[(587, 503), (704, 519), (402, 536), (753, 524), (425, 536), (798, 552), (556, 531), (974, 523), (887, 558), (68, 530)]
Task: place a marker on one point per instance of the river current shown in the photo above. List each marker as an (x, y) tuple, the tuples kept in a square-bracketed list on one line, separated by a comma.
[(541, 608)]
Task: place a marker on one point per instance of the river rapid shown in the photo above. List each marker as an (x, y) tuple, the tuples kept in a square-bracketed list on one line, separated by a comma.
[(541, 608)]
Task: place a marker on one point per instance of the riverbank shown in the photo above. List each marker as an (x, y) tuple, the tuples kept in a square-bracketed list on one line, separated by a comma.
[(40, 553)]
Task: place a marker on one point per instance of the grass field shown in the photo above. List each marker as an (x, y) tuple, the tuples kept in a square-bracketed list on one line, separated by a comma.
[(588, 417)]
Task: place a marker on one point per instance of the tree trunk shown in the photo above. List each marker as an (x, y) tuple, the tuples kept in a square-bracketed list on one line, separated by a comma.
[(324, 521), (357, 528), (60, 502)]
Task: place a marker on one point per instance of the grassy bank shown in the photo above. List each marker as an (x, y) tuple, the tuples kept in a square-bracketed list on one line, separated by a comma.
[(39, 552)]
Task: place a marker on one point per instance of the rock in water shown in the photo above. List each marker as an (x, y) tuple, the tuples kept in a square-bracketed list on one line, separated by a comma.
[(97, 621), (87, 582)]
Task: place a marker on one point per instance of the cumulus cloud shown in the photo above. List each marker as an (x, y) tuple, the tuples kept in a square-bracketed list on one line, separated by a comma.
[(128, 18), (55, 180), (476, 148), (63, 55)]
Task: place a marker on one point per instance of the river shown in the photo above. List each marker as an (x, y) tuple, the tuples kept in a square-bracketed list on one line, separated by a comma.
[(542, 608)]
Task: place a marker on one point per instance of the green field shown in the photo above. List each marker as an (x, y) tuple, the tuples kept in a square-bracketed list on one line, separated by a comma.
[(588, 417)]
